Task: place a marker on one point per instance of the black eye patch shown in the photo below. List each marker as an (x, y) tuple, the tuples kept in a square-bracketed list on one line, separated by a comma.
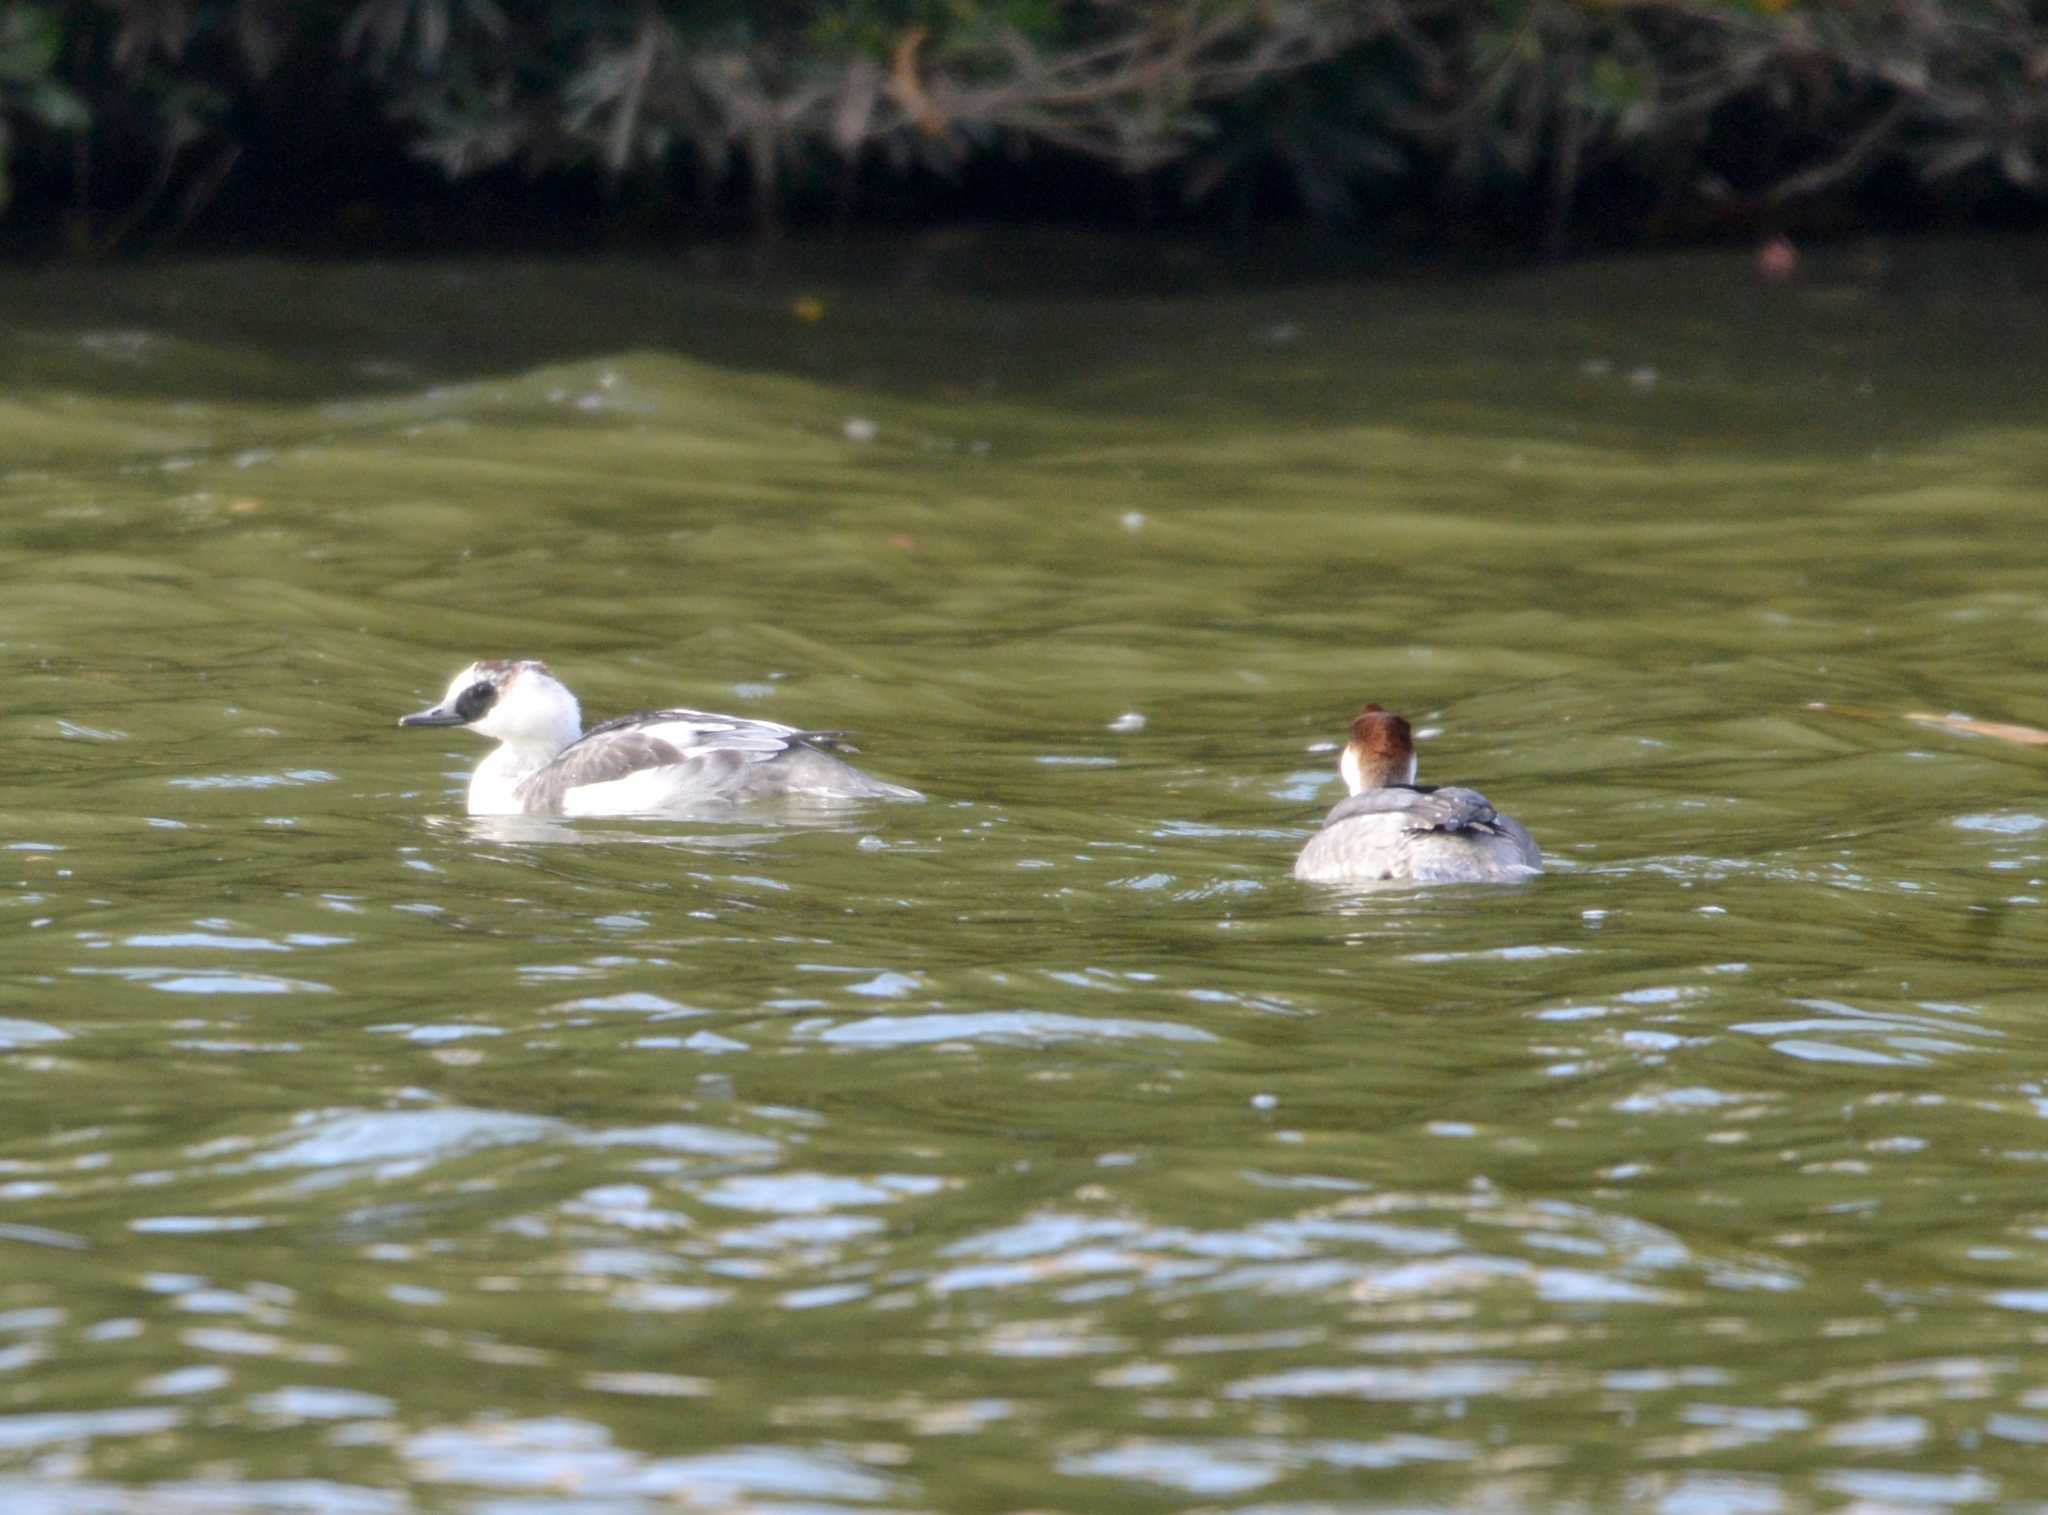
[(475, 700)]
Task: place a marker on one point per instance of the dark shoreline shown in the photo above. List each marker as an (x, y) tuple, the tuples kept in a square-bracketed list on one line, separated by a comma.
[(1392, 136)]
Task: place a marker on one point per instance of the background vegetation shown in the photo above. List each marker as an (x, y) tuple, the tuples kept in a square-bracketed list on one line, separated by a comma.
[(1554, 121)]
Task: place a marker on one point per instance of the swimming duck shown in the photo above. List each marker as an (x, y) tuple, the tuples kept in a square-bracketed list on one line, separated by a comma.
[(658, 762), (1392, 828)]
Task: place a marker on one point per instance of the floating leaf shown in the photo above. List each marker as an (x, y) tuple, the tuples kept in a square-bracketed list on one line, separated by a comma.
[(2030, 736)]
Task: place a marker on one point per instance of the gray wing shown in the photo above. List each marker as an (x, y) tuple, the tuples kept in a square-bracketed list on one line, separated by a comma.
[(1444, 835), (1445, 809), (614, 754), (709, 758), (704, 731)]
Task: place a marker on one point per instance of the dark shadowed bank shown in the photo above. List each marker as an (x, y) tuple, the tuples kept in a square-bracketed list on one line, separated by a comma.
[(1543, 125)]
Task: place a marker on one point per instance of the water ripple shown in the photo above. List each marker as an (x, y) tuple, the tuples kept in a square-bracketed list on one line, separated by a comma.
[(1026, 1026), (563, 1453), (332, 1139)]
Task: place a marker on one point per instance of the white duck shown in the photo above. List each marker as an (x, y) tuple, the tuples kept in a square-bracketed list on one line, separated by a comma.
[(658, 762)]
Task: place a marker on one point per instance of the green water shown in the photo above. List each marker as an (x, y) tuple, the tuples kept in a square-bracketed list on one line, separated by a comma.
[(1043, 1147)]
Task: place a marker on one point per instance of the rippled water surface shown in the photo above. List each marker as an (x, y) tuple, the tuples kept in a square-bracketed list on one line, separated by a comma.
[(1045, 1146)]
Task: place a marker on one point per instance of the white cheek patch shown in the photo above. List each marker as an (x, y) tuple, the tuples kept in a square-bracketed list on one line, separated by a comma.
[(1347, 765)]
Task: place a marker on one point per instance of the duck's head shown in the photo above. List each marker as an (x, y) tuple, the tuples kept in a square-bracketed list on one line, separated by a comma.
[(513, 701), (1381, 751)]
